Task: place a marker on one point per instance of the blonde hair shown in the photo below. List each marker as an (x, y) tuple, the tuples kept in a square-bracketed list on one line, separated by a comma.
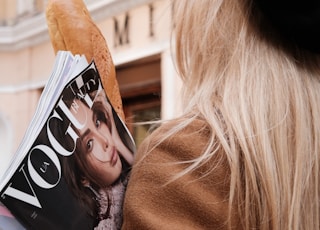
[(262, 105)]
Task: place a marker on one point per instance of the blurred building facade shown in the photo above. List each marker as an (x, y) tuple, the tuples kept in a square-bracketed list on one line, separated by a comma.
[(138, 33)]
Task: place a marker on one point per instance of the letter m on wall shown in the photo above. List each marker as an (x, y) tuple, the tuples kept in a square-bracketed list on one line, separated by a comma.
[(121, 31)]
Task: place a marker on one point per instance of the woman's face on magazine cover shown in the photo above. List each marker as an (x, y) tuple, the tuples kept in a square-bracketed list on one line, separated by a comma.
[(98, 144)]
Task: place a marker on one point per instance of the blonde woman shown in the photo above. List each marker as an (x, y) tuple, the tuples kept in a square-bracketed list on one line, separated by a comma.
[(245, 153)]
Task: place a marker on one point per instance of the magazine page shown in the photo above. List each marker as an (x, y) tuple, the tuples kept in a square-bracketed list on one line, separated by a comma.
[(74, 175)]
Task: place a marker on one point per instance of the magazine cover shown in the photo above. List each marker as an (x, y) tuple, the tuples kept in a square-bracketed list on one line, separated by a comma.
[(75, 173)]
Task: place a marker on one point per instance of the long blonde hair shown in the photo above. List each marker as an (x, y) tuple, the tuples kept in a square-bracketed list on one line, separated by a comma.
[(270, 104)]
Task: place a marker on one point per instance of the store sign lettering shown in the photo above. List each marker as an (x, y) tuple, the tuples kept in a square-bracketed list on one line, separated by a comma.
[(122, 28)]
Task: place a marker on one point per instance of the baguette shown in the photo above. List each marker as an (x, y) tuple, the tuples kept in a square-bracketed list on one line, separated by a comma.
[(72, 28)]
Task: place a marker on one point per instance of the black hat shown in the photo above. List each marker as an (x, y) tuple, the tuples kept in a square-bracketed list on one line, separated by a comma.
[(297, 21)]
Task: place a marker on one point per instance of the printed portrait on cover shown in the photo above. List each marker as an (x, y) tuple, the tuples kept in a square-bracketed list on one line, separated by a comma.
[(98, 170)]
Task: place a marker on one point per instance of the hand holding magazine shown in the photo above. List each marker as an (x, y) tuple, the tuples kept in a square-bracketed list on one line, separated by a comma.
[(71, 168)]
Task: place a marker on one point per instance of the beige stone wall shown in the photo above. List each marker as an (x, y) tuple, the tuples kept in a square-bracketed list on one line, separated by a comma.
[(24, 73), (26, 66), (19, 109)]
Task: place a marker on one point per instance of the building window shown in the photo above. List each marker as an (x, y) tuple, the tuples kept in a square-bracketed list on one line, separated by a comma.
[(140, 88), (139, 111)]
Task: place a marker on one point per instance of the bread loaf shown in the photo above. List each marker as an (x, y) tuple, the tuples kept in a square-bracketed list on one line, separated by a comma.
[(72, 28)]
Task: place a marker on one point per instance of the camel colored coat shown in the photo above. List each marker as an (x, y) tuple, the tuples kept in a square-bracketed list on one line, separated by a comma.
[(198, 200)]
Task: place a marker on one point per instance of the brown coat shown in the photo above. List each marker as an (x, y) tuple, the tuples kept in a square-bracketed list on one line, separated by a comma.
[(198, 200)]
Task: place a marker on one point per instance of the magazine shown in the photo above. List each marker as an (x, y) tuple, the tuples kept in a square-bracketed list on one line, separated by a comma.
[(72, 166)]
